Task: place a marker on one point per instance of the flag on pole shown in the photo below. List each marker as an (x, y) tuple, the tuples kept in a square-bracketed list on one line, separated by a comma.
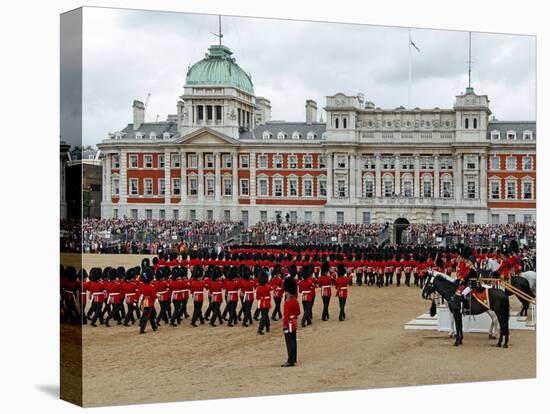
[(416, 47)]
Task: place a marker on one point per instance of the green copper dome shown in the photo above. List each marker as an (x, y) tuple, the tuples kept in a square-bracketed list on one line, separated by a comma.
[(219, 68)]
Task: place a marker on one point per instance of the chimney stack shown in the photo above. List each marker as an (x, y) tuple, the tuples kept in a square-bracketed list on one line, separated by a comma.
[(311, 111), (139, 114)]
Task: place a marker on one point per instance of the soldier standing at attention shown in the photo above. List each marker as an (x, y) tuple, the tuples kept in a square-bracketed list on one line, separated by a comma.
[(264, 301), (325, 282), (291, 311), (341, 283), (148, 294), (276, 284), (197, 290)]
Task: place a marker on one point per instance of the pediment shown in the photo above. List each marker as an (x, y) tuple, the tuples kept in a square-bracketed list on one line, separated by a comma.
[(206, 137)]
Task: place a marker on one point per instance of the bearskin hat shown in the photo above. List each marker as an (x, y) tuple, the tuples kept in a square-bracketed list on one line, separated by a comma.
[(466, 252), (112, 274), (70, 273), (120, 272), (325, 267), (144, 263), (183, 272), (233, 273), (341, 269), (264, 277), (147, 275), (292, 270), (159, 274), (82, 274), (277, 270), (197, 272), (129, 274), (216, 273), (289, 285)]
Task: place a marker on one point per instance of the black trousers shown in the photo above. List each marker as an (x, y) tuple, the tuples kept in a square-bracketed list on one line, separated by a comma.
[(241, 310), (132, 308), (184, 308), (277, 309), (264, 320), (165, 311), (389, 277), (407, 279), (247, 312), (256, 313), (342, 303), (306, 317), (216, 313), (359, 279), (379, 280), (149, 315), (178, 312), (398, 276), (71, 312), (326, 303), (416, 279), (117, 312), (421, 281), (208, 309), (372, 279), (106, 309), (232, 312), (96, 312), (197, 312), (291, 347)]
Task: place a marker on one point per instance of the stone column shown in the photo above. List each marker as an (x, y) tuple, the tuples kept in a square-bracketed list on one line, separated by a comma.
[(252, 182), (483, 179), (235, 175), (183, 180), (200, 165), (398, 176), (458, 178), (167, 177), (330, 193), (352, 177), (218, 175), (107, 193), (416, 175), (435, 190), (123, 177), (359, 176), (378, 176)]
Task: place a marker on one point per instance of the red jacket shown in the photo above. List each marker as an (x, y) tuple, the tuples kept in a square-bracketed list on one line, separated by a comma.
[(163, 290), (96, 291), (179, 289), (291, 310), (325, 283), (263, 296), (197, 290), (215, 288), (129, 292), (306, 287), (276, 284), (232, 290), (247, 287), (341, 284), (114, 292), (149, 294)]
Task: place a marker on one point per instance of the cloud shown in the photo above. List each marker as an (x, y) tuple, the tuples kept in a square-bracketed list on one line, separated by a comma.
[(128, 54)]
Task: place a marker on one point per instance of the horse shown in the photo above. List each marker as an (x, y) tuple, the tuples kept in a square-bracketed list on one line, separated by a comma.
[(499, 303), (491, 267)]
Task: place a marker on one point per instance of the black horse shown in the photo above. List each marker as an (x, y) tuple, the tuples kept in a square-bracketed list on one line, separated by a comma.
[(499, 303), (519, 283)]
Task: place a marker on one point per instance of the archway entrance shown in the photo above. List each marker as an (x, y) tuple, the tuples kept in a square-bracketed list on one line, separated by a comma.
[(398, 226)]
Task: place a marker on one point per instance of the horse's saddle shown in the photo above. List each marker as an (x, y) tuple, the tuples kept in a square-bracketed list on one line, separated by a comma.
[(482, 296)]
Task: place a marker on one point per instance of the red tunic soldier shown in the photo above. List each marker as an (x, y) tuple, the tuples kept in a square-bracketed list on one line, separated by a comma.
[(247, 287), (163, 294), (263, 296), (95, 289), (114, 295), (341, 283), (148, 295), (325, 283), (178, 288), (130, 296), (291, 311), (276, 284), (232, 294), (197, 291), (306, 287), (216, 294)]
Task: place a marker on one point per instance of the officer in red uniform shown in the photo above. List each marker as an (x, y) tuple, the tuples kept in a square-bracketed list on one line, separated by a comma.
[(177, 288), (276, 284), (341, 283), (216, 294), (197, 291), (291, 311), (130, 297), (148, 296), (325, 283), (95, 289), (114, 296), (263, 296), (231, 287), (163, 294), (247, 287)]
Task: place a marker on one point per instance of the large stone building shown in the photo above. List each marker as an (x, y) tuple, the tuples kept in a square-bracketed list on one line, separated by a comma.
[(221, 157)]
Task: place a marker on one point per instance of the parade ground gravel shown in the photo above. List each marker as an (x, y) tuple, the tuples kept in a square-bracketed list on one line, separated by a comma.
[(371, 349)]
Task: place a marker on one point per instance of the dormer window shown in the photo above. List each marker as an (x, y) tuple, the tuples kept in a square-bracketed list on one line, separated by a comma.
[(266, 135), (310, 135), (139, 135), (166, 135), (118, 135), (153, 135), (527, 135), (511, 135), (281, 135), (495, 135), (295, 135)]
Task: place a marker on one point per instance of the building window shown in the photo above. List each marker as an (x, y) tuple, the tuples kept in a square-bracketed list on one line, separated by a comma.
[(407, 188), (116, 161), (470, 218), (471, 189), (134, 213), (310, 135), (278, 187), (218, 112), (527, 190), (295, 135), (511, 135), (266, 135), (115, 213), (244, 218), (161, 161), (176, 186), (148, 161), (527, 218), (193, 186), (495, 135), (323, 188), (209, 215), (200, 113), (446, 163), (426, 163), (277, 161), (292, 161), (133, 161), (293, 187), (308, 217), (447, 189), (444, 218), (341, 161), (339, 217), (148, 187), (175, 160), (293, 217), (227, 215), (511, 163), (227, 161), (210, 186), (115, 187), (344, 123), (322, 161), (495, 163), (388, 186), (527, 163), (262, 161), (341, 188), (388, 163), (308, 161), (134, 186), (527, 135), (192, 161), (263, 216), (475, 123), (511, 190), (511, 218), (176, 214), (227, 186), (366, 217), (209, 160), (244, 188), (162, 214), (281, 135), (369, 188), (245, 161), (369, 163), (466, 123), (192, 215), (427, 187), (148, 214), (308, 187), (407, 163), (336, 123), (495, 190), (471, 162), (495, 219), (262, 183), (321, 217), (162, 186)]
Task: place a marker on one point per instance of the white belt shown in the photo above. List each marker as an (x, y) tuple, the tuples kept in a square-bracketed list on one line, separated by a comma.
[(159, 294), (127, 295), (110, 295), (343, 288), (176, 291), (69, 292), (197, 293)]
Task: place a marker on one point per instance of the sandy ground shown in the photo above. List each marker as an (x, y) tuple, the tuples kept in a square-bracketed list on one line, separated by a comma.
[(371, 349)]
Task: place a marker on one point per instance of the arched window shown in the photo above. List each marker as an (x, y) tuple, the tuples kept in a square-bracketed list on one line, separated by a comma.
[(407, 185), (344, 123), (265, 135), (446, 186), (427, 186), (336, 123), (369, 186), (475, 123), (466, 123), (281, 135), (295, 135), (310, 135)]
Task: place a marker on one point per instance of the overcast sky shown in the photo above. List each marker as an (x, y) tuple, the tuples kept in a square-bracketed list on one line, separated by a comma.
[(128, 54)]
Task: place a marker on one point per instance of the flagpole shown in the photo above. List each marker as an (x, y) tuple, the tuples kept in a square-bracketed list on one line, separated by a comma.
[(410, 73)]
